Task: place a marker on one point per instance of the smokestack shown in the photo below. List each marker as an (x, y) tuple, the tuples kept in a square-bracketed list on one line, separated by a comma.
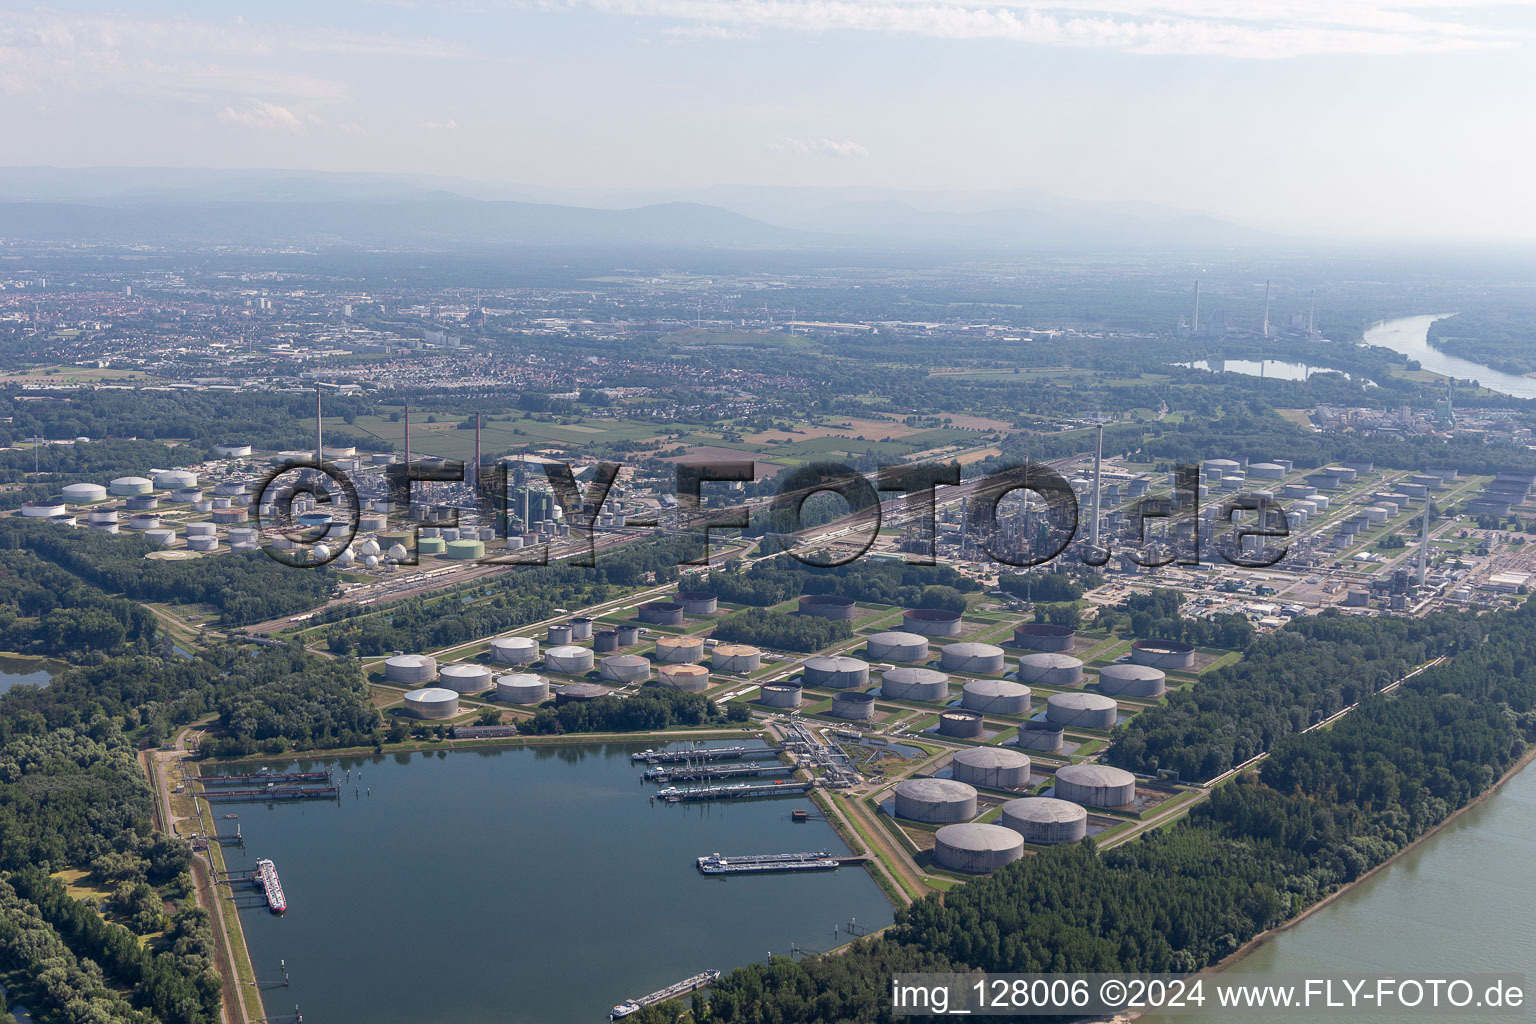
[(476, 481), (319, 456), (1266, 309), (1098, 458), (1311, 310), (1424, 545), (1194, 328), (407, 435)]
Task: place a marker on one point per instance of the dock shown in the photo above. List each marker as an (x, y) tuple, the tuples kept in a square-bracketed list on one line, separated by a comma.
[(768, 863), (682, 988), (704, 773), (229, 796), (263, 777), (734, 791), (695, 755)]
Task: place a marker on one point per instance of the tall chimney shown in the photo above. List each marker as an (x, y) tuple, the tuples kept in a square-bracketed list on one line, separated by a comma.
[(1424, 545), (1194, 328), (1098, 458), (319, 455), (1311, 311), (407, 435), (1266, 309), (476, 481)]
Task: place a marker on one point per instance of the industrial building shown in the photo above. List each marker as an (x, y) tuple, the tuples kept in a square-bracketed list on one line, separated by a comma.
[(1095, 785), (1045, 821), (994, 767), (432, 702), (1131, 680), (972, 658), (410, 669), (836, 673), (996, 697), (935, 801), (976, 849), (1051, 670), (909, 683), (1081, 710), (895, 645)]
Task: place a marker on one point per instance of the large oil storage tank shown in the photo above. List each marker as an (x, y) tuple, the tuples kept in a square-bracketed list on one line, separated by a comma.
[(895, 645), (975, 659), (698, 602), (576, 693), (581, 628), (1043, 636), (996, 767), (465, 678), (908, 683), (827, 606), (935, 801), (1132, 680), (82, 494), (1095, 785), (976, 849), (784, 694), (571, 660), (141, 503), (626, 668), (432, 702), (522, 688), (661, 613), (736, 658), (692, 678), (174, 479), (605, 641), (996, 697), (164, 538), (931, 621), (677, 650), (628, 635), (410, 669), (1046, 737), (1051, 670), (465, 550), (964, 725), (1164, 654), (515, 650), (559, 633), (837, 673), (1081, 710), (232, 451), (1045, 821), (144, 521), (431, 546), (854, 705), (43, 509), (128, 486)]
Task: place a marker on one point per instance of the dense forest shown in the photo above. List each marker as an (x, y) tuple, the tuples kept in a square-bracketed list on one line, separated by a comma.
[(654, 707), (780, 631), (1501, 338)]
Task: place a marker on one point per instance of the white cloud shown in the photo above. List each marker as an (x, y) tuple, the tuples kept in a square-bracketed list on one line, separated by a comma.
[(841, 148), (261, 114), (439, 126)]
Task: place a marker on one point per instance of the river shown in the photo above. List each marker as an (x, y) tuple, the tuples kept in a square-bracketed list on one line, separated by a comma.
[(1408, 335), (522, 886)]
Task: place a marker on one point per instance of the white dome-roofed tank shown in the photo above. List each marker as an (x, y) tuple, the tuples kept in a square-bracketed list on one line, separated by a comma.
[(996, 697), (346, 558), (976, 849), (432, 702), (975, 659), (854, 705), (1095, 785), (1051, 670), (1046, 737), (568, 659), (175, 479), (782, 694), (935, 801), (839, 672), (128, 486), (465, 678), (368, 547), (895, 645), (515, 650), (911, 683), (995, 767), (691, 678), (931, 621), (371, 561), (1132, 680), (626, 668), (1045, 821), (397, 553), (1081, 710), (522, 688), (83, 494), (1164, 654), (677, 650), (736, 658), (409, 669)]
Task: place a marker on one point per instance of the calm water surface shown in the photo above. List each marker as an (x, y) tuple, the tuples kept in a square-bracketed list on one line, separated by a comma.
[(27, 671), (1409, 334), (1274, 369), (522, 886)]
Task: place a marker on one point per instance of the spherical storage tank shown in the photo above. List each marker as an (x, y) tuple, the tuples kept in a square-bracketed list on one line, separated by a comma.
[(409, 668), (895, 645), (781, 695), (515, 650), (43, 509), (692, 678), (736, 658), (1047, 737), (997, 767), (662, 613), (465, 678), (1095, 785), (976, 849), (854, 705), (836, 673), (1132, 680), (127, 486), (977, 659), (935, 801), (827, 606), (1163, 654), (579, 693), (568, 659), (81, 494), (1051, 669), (931, 621), (626, 668), (1045, 821), (960, 724), (995, 697), (677, 650), (1043, 636), (698, 602), (914, 684), (1083, 710), (432, 702), (522, 688)]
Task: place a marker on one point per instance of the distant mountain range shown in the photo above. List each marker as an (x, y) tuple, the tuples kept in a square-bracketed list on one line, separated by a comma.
[(177, 206)]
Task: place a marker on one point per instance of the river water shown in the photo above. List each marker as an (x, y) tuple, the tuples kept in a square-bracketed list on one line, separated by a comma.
[(522, 886), (1408, 335)]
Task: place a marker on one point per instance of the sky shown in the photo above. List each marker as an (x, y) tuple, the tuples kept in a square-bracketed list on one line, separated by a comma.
[(1355, 119)]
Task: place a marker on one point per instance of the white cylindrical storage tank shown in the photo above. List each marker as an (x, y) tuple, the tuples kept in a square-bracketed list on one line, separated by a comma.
[(677, 650), (935, 801), (232, 451), (836, 673), (931, 621), (1132, 680), (625, 668), (895, 645), (1266, 470), (909, 683), (242, 535), (1322, 501), (186, 495), (128, 486), (1081, 710), (84, 494), (175, 480), (976, 849), (465, 678), (164, 538), (1045, 821), (1051, 670), (559, 634), (581, 628), (1047, 737), (960, 724), (996, 697), (1375, 514), (781, 694), (692, 678), (661, 613), (229, 488), (201, 530), (994, 767), (144, 521), (203, 542), (410, 669), (628, 635), (605, 641), (43, 509), (522, 688), (698, 602), (1043, 636), (104, 516), (974, 659), (854, 704), (432, 702), (337, 451), (141, 503), (579, 693), (515, 650), (736, 658), (1164, 654), (569, 660), (202, 506), (1095, 785)]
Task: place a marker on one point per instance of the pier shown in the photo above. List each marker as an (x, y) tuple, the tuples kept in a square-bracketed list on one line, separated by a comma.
[(683, 987), (227, 796), (263, 777), (767, 863), (686, 773), (695, 755), (736, 791)]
